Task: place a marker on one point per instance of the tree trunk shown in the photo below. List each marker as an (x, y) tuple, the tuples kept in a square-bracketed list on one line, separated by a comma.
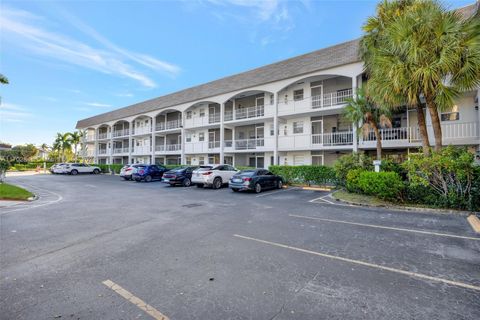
[(422, 127), (75, 153), (437, 128), (379, 141)]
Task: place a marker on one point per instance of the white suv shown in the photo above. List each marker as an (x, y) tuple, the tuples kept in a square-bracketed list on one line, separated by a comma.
[(76, 168), (214, 176)]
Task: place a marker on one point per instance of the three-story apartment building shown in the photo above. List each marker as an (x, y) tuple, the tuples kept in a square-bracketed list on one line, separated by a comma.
[(289, 112)]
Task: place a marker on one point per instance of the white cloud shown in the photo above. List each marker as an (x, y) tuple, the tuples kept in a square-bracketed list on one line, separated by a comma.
[(10, 112), (98, 104), (110, 60), (124, 95)]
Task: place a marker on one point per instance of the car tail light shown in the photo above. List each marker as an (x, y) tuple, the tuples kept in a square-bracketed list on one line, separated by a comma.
[(141, 171), (129, 169), (207, 173), (247, 179)]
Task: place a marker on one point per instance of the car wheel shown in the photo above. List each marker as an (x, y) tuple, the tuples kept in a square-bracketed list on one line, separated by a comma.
[(217, 183), (258, 187), (234, 190), (199, 185), (148, 178), (96, 171), (279, 184), (186, 182), (74, 172), (126, 178)]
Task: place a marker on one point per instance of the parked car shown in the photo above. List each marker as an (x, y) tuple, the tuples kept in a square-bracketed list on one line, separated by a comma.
[(58, 168), (76, 168), (127, 171), (255, 180), (148, 172), (214, 176), (182, 176)]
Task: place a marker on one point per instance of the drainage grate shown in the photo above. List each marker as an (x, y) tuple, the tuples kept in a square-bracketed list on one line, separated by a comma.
[(192, 205)]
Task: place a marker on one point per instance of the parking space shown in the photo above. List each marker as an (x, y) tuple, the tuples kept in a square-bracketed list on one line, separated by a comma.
[(113, 249)]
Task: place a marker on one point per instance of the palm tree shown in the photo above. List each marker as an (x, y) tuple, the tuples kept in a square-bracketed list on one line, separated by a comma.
[(423, 51), (3, 79), (390, 86), (62, 143), (361, 110), (75, 139)]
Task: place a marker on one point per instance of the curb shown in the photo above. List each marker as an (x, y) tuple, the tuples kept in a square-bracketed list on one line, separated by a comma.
[(317, 188), (34, 198), (413, 209), (474, 222)]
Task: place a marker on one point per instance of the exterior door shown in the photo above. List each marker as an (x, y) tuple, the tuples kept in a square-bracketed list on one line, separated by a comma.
[(259, 135), (317, 96), (260, 103), (317, 130)]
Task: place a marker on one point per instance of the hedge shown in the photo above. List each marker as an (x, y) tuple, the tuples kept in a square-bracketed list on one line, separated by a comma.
[(317, 175), (29, 166), (384, 185)]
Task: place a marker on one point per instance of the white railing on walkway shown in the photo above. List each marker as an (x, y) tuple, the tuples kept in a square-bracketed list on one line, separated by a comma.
[(103, 136), (250, 112), (460, 130), (142, 150), (142, 130), (102, 151), (331, 98), (333, 138), (247, 144), (214, 118), (388, 134), (120, 150), (168, 147), (169, 125), (90, 138), (228, 143), (213, 144), (121, 133)]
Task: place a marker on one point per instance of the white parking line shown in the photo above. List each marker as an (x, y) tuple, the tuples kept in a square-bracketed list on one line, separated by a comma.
[(274, 192), (322, 198), (366, 264), (384, 227), (157, 315), (28, 206)]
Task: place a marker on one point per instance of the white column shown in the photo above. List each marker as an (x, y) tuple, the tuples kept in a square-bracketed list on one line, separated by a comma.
[(275, 129), (95, 151), (222, 132), (355, 125), (110, 152), (152, 143), (182, 147), (130, 141)]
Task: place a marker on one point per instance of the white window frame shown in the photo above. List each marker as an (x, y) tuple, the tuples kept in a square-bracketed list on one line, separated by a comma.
[(297, 127), (201, 136), (201, 113), (298, 94), (189, 114), (201, 161), (188, 137)]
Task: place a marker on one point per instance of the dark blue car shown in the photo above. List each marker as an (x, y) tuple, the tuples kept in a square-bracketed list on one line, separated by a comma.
[(148, 172), (255, 180), (179, 176)]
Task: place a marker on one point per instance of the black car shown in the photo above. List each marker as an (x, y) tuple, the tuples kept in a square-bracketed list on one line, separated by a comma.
[(148, 172), (179, 176), (256, 180)]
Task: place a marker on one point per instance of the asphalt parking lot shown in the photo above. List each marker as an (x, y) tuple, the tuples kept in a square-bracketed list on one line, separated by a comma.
[(97, 247)]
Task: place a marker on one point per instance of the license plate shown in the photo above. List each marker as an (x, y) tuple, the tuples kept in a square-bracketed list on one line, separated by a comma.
[(166, 179), (237, 180)]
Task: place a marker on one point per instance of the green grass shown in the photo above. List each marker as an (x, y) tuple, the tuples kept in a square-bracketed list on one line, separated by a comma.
[(360, 198), (11, 192)]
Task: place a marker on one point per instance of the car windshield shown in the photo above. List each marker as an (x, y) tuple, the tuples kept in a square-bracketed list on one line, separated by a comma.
[(247, 172), (179, 169), (204, 168)]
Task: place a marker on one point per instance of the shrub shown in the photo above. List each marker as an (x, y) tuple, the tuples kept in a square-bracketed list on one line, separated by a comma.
[(350, 162), (352, 180), (384, 185), (318, 175), (447, 178)]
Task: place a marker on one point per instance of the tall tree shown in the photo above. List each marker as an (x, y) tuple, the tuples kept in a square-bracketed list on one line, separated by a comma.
[(75, 139), (361, 110), (422, 51), (62, 143)]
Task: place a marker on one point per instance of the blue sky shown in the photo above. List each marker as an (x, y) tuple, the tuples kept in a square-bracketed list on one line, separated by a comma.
[(68, 60)]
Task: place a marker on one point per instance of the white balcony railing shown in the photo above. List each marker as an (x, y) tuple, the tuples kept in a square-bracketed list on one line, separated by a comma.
[(120, 150), (250, 112), (213, 144), (247, 144), (168, 147), (388, 134), (333, 138), (121, 133), (309, 104), (331, 98), (89, 138), (142, 130), (104, 135), (102, 151), (142, 150), (214, 118), (169, 125), (464, 130), (228, 143)]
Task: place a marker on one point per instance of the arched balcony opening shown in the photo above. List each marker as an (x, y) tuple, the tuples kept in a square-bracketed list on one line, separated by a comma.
[(169, 119), (120, 129), (249, 104), (204, 113)]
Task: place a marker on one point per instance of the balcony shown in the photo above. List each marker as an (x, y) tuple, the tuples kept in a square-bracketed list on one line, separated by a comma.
[(214, 118), (89, 138), (213, 144), (121, 133), (142, 150), (247, 113), (313, 103), (329, 140), (103, 152), (168, 147), (169, 125), (142, 130), (120, 150), (104, 135)]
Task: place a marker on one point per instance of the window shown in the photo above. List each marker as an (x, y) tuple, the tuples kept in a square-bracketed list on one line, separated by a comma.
[(271, 99), (298, 127), (450, 116), (201, 136), (272, 130), (188, 137), (189, 114), (202, 113), (201, 160), (298, 160), (298, 95), (317, 160), (189, 160)]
